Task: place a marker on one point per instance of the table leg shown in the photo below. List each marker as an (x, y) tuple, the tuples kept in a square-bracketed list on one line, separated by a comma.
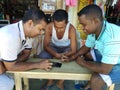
[(18, 83), (26, 83), (111, 87)]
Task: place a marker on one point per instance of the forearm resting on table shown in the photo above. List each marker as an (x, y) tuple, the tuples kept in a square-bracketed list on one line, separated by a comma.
[(20, 66), (83, 50), (97, 67), (69, 53)]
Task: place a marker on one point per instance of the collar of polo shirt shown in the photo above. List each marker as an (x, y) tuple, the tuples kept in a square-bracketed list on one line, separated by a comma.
[(21, 31), (103, 29)]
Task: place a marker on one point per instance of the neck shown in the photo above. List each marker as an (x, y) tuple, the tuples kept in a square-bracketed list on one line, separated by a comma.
[(99, 29), (25, 30), (59, 30)]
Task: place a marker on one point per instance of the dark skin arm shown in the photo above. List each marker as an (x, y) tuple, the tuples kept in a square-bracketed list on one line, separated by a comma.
[(95, 66), (47, 39), (73, 41), (73, 45), (24, 55), (83, 50), (23, 66)]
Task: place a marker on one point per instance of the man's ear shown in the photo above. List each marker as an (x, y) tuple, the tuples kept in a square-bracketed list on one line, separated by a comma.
[(96, 20), (30, 23)]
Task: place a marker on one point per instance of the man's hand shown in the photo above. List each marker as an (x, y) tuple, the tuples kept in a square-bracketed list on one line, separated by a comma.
[(80, 60), (58, 55), (66, 58), (2, 68), (45, 64)]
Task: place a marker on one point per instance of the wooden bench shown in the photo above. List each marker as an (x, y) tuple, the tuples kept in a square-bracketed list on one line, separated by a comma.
[(68, 71)]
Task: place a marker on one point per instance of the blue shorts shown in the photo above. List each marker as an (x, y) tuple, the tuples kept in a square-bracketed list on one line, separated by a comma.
[(115, 72), (59, 49), (6, 82)]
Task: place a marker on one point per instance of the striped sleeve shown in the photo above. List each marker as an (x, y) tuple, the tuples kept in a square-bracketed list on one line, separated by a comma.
[(90, 42)]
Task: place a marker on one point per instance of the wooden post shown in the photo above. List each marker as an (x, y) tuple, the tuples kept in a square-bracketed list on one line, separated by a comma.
[(26, 83), (18, 82), (111, 87)]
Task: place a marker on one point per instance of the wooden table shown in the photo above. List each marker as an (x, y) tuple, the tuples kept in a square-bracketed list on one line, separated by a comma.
[(68, 71)]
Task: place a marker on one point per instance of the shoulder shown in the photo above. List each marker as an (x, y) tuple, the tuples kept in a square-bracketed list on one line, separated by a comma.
[(9, 33), (49, 26), (72, 29), (111, 26), (90, 37), (112, 31), (10, 29), (48, 29)]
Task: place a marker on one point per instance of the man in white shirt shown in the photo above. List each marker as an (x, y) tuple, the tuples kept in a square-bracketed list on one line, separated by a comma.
[(15, 46)]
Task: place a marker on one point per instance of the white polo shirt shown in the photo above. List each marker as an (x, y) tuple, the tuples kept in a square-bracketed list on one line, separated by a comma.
[(12, 41)]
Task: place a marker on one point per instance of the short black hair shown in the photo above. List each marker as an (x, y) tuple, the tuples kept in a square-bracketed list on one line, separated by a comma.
[(92, 11), (60, 15), (34, 14)]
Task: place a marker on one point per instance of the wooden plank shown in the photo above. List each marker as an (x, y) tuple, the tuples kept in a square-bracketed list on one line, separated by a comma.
[(18, 83), (111, 87), (68, 71), (66, 76), (70, 67), (59, 4), (26, 83)]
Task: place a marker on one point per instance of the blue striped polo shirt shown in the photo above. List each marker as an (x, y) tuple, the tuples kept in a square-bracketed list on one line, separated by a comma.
[(108, 43)]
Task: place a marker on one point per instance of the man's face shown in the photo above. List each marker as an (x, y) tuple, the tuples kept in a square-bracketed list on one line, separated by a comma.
[(37, 29), (60, 26), (89, 25)]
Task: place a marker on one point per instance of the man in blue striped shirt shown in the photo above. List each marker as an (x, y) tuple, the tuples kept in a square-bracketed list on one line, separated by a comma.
[(104, 41)]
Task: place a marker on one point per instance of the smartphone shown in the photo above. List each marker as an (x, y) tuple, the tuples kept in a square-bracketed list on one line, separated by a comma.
[(56, 64)]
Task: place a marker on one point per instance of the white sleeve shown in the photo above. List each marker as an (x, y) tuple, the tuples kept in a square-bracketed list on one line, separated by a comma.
[(28, 44)]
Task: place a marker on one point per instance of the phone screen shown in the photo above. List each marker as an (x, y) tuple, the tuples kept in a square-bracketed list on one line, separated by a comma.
[(56, 64)]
